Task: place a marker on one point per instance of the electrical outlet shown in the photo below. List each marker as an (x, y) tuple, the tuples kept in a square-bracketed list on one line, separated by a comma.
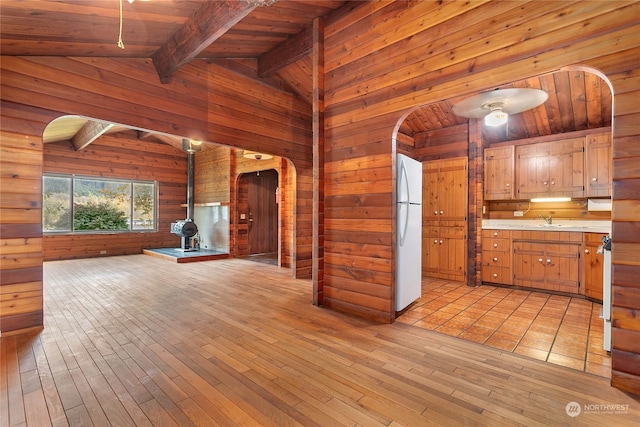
[(518, 213)]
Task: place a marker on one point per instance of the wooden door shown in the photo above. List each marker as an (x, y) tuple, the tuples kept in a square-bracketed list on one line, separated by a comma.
[(532, 170), (566, 168), (593, 265), (451, 253), (454, 199), (430, 196), (262, 212), (529, 264), (562, 267), (430, 251), (598, 161), (498, 173)]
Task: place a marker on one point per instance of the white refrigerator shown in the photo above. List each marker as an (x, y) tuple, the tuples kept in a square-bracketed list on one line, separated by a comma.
[(408, 231)]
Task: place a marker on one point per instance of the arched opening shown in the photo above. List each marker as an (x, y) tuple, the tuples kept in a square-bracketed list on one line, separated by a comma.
[(121, 152), (257, 233), (579, 109)]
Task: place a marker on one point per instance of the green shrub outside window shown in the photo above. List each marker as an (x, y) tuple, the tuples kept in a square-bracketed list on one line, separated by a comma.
[(84, 204)]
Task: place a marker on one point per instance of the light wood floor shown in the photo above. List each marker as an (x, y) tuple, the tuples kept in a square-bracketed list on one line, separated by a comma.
[(137, 340)]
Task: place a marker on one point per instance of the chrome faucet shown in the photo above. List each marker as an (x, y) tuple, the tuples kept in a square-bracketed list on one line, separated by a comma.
[(548, 220)]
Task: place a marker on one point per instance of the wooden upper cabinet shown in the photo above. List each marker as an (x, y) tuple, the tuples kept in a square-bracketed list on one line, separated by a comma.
[(550, 169), (499, 173), (598, 165), (444, 192)]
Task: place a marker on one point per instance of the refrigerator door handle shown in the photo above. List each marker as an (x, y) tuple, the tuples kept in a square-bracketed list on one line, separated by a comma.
[(404, 182)]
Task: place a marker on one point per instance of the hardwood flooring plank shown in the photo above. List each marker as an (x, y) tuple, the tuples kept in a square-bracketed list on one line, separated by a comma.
[(90, 402), (157, 414), (51, 395), (14, 395), (37, 415), (137, 340)]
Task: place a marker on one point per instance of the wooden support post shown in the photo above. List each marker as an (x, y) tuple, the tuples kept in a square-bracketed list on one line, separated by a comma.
[(317, 269)]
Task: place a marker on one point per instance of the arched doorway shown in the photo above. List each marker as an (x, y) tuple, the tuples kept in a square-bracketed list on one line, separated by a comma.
[(257, 206), (580, 108)]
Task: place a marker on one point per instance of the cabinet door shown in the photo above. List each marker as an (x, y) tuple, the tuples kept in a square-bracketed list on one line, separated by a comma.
[(593, 266), (562, 267), (452, 192), (452, 256), (498, 173), (532, 170), (598, 165), (529, 264), (566, 168), (430, 196), (430, 247)]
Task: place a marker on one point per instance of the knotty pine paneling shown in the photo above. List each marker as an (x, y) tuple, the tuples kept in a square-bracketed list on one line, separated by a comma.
[(213, 170), (423, 52), (20, 216), (128, 91), (625, 373), (121, 157)]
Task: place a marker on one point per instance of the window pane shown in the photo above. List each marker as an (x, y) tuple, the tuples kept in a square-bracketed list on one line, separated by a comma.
[(143, 206), (101, 205), (56, 203)]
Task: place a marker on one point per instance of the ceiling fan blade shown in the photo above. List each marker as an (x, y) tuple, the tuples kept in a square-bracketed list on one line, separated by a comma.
[(511, 101)]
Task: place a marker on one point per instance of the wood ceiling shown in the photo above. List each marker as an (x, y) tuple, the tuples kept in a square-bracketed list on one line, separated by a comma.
[(273, 38)]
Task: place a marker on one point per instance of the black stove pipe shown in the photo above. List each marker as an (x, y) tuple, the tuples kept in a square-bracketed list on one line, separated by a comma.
[(190, 184)]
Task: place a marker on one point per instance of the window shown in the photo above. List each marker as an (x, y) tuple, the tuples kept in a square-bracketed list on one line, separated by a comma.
[(85, 204)]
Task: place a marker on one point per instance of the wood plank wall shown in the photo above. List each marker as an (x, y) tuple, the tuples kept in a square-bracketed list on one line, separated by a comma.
[(625, 353), (21, 300), (203, 101), (381, 59), (120, 157), (422, 52), (216, 177)]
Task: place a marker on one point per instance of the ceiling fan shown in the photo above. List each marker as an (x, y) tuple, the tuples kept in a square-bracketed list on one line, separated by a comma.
[(495, 106)]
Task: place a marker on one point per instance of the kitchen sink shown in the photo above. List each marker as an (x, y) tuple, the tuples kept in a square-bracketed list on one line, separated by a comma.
[(549, 225)]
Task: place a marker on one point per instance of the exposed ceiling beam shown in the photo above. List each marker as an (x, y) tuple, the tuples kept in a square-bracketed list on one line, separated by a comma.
[(206, 25), (286, 53), (173, 141), (89, 133)]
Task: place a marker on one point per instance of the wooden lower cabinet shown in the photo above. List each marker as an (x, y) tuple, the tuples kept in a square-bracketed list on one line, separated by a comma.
[(547, 265), (496, 257), (443, 250), (592, 266)]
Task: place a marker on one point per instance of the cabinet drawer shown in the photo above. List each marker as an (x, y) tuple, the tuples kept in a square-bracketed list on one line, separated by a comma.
[(496, 259), (496, 245), (501, 234), (496, 275)]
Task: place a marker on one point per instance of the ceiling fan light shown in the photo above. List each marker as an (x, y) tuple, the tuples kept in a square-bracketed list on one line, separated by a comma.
[(496, 117), (247, 154)]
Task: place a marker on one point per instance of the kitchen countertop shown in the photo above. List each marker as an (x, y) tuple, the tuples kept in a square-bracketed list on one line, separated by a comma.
[(583, 226)]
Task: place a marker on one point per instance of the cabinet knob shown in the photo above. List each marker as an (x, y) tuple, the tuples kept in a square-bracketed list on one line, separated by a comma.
[(539, 259), (548, 261), (495, 245), (441, 212), (495, 233), (594, 179), (586, 251), (435, 212), (440, 241), (495, 274), (435, 241), (508, 185), (553, 183), (495, 260), (545, 183)]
